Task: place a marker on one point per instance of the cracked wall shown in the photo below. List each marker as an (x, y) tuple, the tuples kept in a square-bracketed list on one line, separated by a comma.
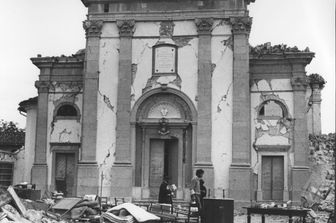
[(61, 130), (268, 132), (146, 35), (222, 74), (107, 102), (186, 80)]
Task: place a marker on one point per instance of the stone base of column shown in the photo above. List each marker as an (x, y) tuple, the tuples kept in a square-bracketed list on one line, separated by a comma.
[(300, 176), (240, 182), (39, 176), (87, 179), (209, 175), (121, 185)]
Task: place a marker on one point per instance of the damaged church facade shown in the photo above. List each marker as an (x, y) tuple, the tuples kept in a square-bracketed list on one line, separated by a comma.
[(168, 87)]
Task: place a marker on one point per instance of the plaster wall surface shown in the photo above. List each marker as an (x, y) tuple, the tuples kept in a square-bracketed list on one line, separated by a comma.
[(20, 170), (142, 59), (222, 77), (61, 131), (107, 103), (271, 85), (270, 132), (29, 149)]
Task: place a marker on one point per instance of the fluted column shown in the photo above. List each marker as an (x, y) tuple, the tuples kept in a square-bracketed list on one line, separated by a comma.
[(123, 153), (240, 170), (87, 181)]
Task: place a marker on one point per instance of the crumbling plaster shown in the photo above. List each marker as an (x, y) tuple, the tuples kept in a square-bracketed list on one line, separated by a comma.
[(62, 131), (222, 77), (270, 132), (107, 103)]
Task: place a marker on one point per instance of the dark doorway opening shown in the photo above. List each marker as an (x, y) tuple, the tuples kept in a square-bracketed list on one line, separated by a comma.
[(163, 162), (65, 173)]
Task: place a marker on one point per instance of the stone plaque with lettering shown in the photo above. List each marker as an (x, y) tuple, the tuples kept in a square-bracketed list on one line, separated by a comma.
[(165, 60)]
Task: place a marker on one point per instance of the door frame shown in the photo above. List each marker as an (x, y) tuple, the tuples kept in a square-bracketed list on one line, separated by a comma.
[(285, 158), (70, 148)]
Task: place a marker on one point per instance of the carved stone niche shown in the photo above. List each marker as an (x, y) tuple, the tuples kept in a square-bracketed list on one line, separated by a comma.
[(93, 27)]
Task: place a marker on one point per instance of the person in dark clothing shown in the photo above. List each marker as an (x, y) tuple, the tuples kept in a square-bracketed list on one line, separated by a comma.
[(203, 191), (165, 192)]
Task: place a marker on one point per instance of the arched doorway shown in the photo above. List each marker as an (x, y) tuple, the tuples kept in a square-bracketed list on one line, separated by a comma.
[(163, 122)]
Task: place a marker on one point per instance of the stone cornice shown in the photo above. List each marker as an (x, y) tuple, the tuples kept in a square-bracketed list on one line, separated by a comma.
[(241, 25), (126, 27), (282, 58), (159, 16), (93, 28), (204, 25), (74, 61)]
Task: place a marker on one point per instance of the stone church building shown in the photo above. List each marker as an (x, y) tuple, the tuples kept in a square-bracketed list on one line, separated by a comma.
[(167, 87)]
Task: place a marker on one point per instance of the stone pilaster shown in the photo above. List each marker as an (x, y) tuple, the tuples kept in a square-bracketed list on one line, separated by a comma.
[(240, 170), (40, 168), (88, 176), (203, 155), (122, 168), (204, 90), (300, 170), (123, 153)]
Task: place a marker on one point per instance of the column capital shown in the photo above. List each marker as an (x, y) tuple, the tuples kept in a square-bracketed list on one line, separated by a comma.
[(93, 27), (241, 25), (204, 25), (299, 83), (126, 27), (42, 86)]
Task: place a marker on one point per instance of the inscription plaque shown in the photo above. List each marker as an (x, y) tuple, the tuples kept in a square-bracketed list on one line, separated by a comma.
[(165, 60)]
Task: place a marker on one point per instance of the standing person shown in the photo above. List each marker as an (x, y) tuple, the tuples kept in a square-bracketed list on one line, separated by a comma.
[(196, 189), (165, 192), (203, 191)]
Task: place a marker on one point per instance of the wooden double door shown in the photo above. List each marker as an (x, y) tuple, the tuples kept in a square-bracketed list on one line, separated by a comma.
[(272, 177), (65, 173)]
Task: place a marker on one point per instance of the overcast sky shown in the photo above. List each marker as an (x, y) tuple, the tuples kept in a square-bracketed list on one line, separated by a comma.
[(53, 28)]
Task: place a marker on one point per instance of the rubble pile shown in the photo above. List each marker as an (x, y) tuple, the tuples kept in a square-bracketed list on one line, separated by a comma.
[(321, 186), (14, 209)]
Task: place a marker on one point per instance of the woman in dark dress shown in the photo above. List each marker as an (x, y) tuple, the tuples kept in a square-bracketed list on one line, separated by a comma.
[(165, 192)]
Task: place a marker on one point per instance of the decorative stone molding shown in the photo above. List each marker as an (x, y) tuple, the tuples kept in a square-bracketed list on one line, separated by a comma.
[(43, 86), (126, 27), (299, 83), (241, 24), (166, 29), (204, 25), (316, 81), (93, 27)]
